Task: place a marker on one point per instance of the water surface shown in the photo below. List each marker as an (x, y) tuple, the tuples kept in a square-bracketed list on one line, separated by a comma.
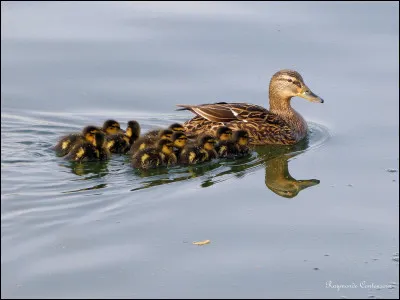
[(284, 222)]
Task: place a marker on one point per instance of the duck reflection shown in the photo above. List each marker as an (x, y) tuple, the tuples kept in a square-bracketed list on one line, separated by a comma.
[(274, 159)]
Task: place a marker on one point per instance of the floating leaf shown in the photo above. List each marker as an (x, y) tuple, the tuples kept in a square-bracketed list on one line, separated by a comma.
[(202, 243)]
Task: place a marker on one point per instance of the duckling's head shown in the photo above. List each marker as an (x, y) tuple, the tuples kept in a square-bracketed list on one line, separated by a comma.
[(89, 133), (179, 139), (286, 84), (165, 146), (165, 134), (99, 139), (224, 133), (133, 129), (207, 142), (241, 137), (111, 127), (177, 127)]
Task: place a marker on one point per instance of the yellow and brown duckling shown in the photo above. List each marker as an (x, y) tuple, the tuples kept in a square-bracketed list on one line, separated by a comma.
[(281, 124), (223, 134), (202, 151), (175, 127), (111, 127), (180, 141), (90, 150), (149, 141), (66, 143), (122, 142), (235, 147), (160, 155)]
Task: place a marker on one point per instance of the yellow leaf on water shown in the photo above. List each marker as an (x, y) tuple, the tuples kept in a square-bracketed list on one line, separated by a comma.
[(202, 243)]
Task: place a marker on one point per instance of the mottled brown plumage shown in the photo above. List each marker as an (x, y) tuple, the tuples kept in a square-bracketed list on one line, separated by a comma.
[(281, 124)]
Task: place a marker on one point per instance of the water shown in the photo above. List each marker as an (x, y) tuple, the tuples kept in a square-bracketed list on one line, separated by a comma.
[(284, 222)]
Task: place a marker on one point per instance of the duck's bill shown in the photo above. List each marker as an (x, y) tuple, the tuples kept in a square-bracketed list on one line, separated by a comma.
[(310, 96)]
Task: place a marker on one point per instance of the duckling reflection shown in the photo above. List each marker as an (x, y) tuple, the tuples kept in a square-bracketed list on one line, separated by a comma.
[(93, 169)]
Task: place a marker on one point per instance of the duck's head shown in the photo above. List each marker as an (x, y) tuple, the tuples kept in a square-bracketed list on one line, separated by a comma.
[(179, 139), (177, 127), (89, 133), (241, 137), (288, 84), (207, 142), (224, 133), (165, 134), (111, 127), (99, 139), (133, 129), (165, 146)]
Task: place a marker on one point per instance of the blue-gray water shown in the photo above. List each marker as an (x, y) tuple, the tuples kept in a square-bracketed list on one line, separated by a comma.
[(106, 230)]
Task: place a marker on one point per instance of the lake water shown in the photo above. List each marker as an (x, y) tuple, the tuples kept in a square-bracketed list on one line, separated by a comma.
[(316, 220)]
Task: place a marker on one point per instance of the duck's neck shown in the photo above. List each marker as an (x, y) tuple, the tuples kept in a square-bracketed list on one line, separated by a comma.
[(281, 106)]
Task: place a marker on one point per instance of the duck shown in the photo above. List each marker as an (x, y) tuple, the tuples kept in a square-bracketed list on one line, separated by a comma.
[(203, 150), (152, 157), (175, 127), (236, 147), (180, 140), (121, 142), (146, 141), (280, 125), (94, 149), (223, 133), (66, 143), (111, 127)]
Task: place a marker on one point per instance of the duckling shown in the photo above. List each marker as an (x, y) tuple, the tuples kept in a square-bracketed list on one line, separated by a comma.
[(90, 150), (237, 146), (223, 134), (161, 155), (180, 140), (149, 141), (202, 151), (66, 143), (111, 127), (121, 142), (175, 127)]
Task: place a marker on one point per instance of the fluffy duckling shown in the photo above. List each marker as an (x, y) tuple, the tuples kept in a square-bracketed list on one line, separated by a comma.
[(202, 151), (236, 147), (180, 140), (111, 127), (148, 141), (175, 127), (161, 155), (121, 142), (93, 150), (223, 134), (66, 143)]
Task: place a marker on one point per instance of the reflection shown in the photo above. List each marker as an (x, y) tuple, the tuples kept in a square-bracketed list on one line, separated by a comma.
[(95, 169), (279, 180), (274, 158)]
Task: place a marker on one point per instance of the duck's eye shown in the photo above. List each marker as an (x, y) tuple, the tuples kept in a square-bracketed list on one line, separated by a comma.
[(290, 80)]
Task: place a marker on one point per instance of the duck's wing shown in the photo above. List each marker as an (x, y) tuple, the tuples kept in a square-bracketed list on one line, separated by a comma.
[(226, 112)]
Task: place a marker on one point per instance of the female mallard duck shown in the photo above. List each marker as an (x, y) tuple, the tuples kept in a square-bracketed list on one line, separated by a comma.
[(111, 127), (90, 150), (161, 155), (121, 142), (281, 124), (66, 143), (146, 141), (202, 151), (236, 147)]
